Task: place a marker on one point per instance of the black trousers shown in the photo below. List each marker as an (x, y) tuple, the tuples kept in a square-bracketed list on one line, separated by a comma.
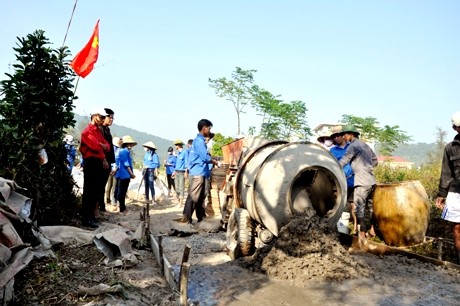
[(93, 176), (195, 199), (122, 188)]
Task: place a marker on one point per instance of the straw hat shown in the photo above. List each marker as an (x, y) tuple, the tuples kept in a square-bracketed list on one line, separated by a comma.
[(150, 145), (322, 135), (128, 140), (178, 142), (336, 130)]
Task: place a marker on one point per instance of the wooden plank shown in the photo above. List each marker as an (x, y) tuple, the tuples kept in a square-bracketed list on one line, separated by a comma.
[(382, 249), (185, 257), (183, 283), (169, 274), (167, 269)]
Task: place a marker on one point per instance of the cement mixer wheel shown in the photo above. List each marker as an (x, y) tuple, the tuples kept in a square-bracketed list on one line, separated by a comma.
[(240, 234)]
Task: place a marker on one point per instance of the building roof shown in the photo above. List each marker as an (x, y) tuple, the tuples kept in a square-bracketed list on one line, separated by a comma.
[(394, 159)]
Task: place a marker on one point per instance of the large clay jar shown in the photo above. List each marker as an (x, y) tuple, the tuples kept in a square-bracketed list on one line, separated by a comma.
[(401, 211)]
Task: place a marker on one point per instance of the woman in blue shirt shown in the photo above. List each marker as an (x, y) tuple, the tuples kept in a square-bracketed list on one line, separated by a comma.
[(150, 171), (125, 172)]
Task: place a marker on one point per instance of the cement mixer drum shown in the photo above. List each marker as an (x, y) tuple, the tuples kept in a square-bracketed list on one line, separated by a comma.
[(280, 179)]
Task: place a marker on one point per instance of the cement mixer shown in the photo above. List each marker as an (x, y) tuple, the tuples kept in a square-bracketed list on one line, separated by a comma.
[(276, 181)]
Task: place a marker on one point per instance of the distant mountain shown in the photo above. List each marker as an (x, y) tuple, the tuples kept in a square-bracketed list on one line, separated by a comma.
[(141, 137), (416, 153)]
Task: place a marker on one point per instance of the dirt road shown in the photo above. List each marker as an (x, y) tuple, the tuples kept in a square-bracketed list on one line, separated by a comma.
[(306, 266)]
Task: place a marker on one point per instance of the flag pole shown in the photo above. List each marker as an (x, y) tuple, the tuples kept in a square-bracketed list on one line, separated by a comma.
[(76, 85)]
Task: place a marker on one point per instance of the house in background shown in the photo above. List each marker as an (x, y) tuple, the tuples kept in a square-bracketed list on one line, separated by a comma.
[(395, 162), (321, 129)]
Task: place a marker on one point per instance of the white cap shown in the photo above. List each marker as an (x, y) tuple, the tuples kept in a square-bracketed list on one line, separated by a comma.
[(98, 110), (456, 119), (68, 138)]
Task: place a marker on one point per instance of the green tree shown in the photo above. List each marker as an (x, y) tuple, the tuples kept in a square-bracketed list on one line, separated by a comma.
[(238, 90), (35, 108), (369, 126), (386, 138), (281, 120), (219, 141), (389, 137)]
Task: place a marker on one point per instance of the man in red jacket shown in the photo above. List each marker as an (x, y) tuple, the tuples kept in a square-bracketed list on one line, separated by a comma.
[(93, 148)]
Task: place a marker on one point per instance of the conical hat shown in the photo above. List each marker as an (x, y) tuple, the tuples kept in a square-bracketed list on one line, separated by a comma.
[(128, 139), (150, 145)]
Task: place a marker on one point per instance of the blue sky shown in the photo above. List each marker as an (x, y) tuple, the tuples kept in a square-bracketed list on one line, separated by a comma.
[(396, 61)]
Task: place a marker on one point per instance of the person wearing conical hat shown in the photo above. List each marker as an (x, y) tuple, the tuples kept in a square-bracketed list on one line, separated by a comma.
[(125, 171), (338, 150), (325, 140), (150, 171), (362, 160), (179, 170)]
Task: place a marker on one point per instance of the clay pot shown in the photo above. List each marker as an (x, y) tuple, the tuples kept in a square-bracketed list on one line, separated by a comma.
[(401, 211)]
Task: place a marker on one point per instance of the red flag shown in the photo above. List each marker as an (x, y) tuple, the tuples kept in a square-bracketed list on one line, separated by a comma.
[(83, 63)]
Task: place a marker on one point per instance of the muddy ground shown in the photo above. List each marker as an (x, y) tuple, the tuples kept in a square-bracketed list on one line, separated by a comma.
[(306, 266)]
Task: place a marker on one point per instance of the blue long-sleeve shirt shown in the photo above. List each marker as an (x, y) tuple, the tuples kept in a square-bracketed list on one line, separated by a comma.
[(151, 161), (124, 161), (170, 163), (181, 160), (339, 152), (199, 157)]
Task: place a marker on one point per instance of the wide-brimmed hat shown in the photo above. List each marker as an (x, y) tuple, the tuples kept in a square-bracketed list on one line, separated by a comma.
[(349, 128), (128, 140), (336, 130), (323, 134), (150, 145), (178, 142)]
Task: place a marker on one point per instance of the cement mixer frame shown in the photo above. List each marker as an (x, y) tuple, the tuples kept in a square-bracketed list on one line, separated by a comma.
[(268, 183)]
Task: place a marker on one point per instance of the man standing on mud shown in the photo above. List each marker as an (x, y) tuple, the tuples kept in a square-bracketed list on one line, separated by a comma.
[(199, 170), (362, 160), (93, 149), (449, 184)]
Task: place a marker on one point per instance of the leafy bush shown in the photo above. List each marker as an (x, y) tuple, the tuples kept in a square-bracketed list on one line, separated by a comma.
[(35, 108), (428, 175)]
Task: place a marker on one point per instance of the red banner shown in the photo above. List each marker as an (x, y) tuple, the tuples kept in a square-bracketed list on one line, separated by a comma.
[(84, 61)]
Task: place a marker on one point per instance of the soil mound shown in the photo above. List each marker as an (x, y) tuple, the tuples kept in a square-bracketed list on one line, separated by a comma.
[(306, 249)]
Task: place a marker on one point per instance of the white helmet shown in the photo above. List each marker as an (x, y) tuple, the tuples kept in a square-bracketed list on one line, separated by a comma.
[(68, 138)]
